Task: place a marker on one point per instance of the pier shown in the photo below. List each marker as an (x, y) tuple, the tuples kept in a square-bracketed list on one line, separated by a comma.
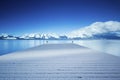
[(59, 62)]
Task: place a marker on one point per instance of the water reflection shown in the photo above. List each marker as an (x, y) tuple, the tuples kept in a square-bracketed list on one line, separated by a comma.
[(7, 46), (107, 46)]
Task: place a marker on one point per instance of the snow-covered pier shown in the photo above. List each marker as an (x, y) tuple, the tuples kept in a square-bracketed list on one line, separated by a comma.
[(59, 62)]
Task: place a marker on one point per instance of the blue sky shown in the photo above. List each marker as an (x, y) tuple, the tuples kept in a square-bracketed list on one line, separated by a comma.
[(59, 16)]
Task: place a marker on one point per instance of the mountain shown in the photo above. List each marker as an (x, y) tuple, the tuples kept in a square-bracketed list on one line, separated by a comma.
[(6, 36), (30, 36), (97, 30), (39, 36)]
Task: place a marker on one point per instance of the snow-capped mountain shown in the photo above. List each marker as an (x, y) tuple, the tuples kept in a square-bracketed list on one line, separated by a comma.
[(6, 36), (109, 29), (97, 30), (30, 36), (39, 36), (50, 36)]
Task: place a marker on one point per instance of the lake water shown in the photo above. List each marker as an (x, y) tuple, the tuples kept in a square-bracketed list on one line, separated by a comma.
[(107, 46)]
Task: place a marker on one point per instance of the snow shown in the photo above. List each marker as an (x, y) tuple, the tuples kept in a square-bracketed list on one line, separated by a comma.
[(10, 38), (96, 28), (59, 62), (111, 28), (38, 35), (4, 35), (47, 51)]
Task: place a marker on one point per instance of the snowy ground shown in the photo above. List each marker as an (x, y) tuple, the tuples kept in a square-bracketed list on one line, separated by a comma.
[(59, 62)]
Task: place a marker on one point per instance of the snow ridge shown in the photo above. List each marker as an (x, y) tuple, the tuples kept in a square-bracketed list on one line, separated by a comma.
[(97, 30)]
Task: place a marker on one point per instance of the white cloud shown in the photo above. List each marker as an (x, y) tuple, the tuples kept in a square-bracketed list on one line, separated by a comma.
[(96, 28)]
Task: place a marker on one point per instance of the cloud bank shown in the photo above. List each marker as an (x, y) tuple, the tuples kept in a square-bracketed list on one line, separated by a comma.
[(97, 28)]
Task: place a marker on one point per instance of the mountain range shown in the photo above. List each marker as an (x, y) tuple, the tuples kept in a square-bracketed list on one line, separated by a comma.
[(97, 30), (34, 36)]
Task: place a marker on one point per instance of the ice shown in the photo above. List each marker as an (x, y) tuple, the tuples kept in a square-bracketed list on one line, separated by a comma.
[(59, 62)]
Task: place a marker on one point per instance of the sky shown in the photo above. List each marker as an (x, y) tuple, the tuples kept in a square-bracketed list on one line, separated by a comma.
[(54, 16)]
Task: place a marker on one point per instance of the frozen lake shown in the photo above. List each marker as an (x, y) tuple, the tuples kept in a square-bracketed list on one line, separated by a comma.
[(107, 46), (59, 62)]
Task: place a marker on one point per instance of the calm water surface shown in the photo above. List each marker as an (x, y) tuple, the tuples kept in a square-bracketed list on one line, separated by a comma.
[(107, 46), (8, 46)]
